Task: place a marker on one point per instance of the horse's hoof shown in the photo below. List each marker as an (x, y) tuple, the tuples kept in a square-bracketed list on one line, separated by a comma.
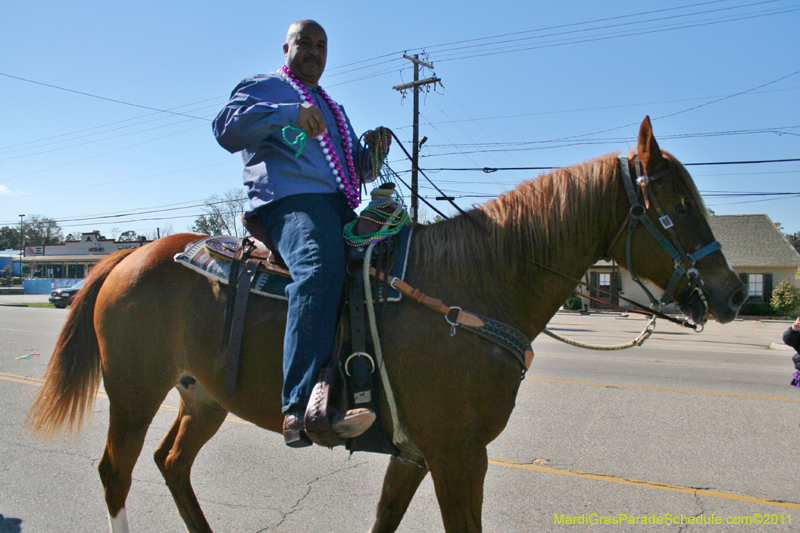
[(294, 431), (352, 423)]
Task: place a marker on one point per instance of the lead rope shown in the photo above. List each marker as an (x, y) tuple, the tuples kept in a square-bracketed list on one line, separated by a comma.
[(638, 341), (399, 437)]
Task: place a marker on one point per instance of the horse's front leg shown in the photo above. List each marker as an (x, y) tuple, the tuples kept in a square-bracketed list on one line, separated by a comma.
[(399, 485), (458, 472)]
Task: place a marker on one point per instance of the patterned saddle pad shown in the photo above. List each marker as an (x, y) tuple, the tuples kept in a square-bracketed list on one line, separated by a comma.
[(209, 257)]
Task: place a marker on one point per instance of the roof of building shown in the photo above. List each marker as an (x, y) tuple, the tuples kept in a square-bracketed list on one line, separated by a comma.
[(753, 241)]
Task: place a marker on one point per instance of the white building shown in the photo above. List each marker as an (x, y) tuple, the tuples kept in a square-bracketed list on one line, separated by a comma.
[(754, 247), (72, 259)]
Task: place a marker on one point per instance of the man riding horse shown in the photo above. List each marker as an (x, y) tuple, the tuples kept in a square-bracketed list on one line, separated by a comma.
[(303, 195)]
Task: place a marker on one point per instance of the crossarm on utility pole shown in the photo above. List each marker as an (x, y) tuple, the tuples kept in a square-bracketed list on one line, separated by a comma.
[(415, 86)]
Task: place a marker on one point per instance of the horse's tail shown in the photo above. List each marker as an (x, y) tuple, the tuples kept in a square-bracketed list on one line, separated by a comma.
[(73, 373)]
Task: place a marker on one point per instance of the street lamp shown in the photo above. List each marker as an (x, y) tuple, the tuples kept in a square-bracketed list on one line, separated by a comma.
[(21, 245)]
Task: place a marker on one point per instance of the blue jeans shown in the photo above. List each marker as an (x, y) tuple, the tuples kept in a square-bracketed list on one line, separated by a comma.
[(306, 229)]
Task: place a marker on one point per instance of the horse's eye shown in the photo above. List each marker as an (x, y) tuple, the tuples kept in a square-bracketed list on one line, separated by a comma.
[(682, 208)]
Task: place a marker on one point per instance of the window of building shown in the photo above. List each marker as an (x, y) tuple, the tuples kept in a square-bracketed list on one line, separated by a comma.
[(755, 285), (604, 280), (759, 286)]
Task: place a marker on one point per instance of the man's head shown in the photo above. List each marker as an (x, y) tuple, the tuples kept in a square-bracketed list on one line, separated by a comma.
[(306, 51)]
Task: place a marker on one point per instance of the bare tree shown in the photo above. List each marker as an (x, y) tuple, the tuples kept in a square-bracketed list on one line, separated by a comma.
[(222, 214), (41, 230), (161, 231)]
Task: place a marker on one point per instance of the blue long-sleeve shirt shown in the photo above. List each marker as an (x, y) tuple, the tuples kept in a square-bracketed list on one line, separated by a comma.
[(252, 122)]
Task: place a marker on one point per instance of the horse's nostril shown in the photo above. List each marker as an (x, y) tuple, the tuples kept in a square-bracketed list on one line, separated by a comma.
[(738, 298)]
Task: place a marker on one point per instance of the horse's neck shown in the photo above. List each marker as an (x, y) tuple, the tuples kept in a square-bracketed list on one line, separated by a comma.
[(568, 239)]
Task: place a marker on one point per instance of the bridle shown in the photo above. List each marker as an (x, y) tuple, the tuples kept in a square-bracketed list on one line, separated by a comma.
[(637, 214)]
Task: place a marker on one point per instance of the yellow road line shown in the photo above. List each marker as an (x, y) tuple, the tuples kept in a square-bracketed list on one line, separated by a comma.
[(26, 331), (35, 381), (536, 468), (19, 379), (647, 484), (664, 390)]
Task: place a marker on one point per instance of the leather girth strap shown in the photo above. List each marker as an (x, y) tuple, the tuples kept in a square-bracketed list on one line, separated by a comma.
[(453, 314), (360, 364), (502, 334), (237, 311)]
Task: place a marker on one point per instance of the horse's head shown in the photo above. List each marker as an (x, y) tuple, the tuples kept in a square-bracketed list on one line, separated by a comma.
[(667, 238)]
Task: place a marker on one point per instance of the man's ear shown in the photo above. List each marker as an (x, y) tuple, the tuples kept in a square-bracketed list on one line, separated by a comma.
[(285, 48)]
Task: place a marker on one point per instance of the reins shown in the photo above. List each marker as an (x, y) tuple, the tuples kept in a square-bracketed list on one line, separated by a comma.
[(644, 310), (637, 214)]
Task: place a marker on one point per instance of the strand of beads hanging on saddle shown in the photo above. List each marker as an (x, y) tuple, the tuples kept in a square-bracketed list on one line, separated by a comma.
[(386, 213)]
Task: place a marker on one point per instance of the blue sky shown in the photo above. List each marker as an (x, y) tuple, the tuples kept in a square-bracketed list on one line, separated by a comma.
[(526, 84)]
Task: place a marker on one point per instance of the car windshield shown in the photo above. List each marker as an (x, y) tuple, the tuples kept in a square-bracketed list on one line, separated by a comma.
[(79, 284)]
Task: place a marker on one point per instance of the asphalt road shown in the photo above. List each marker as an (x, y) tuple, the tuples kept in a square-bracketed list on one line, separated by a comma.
[(688, 425)]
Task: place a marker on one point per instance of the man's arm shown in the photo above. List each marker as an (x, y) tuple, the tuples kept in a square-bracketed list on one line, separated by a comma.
[(250, 117)]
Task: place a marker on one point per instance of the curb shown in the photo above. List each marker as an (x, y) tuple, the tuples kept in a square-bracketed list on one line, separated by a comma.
[(780, 347)]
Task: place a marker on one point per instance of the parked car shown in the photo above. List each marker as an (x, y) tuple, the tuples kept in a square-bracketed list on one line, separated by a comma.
[(63, 297)]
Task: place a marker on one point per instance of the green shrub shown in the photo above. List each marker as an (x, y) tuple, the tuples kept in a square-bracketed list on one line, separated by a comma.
[(785, 298), (573, 303), (756, 309)]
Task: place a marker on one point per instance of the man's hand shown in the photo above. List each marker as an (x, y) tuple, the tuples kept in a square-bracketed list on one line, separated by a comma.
[(384, 134), (796, 325), (310, 119)]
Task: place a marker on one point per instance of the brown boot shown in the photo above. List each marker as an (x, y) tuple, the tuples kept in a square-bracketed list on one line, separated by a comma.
[(294, 429), (352, 423)]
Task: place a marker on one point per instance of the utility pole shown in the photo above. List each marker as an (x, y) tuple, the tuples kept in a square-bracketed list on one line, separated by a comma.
[(415, 86), (21, 243)]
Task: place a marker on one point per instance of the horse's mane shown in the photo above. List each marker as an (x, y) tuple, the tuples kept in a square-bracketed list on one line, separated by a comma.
[(540, 219), (537, 219)]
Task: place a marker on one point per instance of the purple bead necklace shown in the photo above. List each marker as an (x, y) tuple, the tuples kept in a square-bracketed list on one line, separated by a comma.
[(347, 182)]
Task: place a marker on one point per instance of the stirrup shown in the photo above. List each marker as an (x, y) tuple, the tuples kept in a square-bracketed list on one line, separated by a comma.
[(353, 423)]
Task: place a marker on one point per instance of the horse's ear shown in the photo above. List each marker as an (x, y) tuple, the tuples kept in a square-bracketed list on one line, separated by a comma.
[(649, 152)]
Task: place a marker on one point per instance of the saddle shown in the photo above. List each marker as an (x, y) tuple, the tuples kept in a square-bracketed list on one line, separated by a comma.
[(360, 380), (340, 383)]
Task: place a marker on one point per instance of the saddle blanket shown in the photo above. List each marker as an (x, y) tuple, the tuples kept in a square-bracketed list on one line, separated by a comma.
[(199, 258)]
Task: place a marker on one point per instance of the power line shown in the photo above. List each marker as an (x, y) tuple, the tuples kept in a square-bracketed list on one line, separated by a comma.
[(489, 170), (617, 35), (574, 24), (100, 155), (660, 20), (101, 97), (40, 152), (582, 110), (101, 218), (775, 130), (106, 125), (452, 43), (579, 139), (117, 182)]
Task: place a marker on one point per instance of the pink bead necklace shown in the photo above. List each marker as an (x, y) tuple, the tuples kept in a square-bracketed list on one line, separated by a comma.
[(347, 182)]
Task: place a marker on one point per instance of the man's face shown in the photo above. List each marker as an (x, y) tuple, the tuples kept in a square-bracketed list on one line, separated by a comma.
[(306, 52)]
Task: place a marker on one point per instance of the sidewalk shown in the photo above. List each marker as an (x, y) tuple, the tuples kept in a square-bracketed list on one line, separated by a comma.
[(16, 299)]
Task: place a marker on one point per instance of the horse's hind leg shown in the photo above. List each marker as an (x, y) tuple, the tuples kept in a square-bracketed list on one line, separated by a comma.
[(126, 432), (199, 418), (399, 485)]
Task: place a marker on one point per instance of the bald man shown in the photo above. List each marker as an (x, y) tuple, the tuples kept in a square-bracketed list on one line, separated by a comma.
[(302, 164)]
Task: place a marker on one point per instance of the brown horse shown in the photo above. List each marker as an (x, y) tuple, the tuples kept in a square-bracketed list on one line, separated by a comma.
[(144, 323)]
